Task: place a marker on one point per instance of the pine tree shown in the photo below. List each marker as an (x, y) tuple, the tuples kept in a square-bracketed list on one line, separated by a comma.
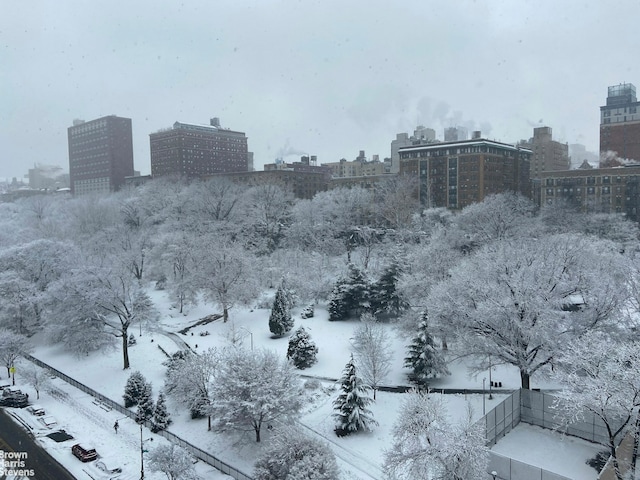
[(280, 320), (161, 417), (350, 295), (132, 340), (385, 298), (302, 351), (133, 389), (424, 359), (351, 405), (145, 404), (337, 306)]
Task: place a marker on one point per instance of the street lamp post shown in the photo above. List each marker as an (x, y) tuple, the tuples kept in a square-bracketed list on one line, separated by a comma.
[(141, 455), (483, 404), (490, 382)]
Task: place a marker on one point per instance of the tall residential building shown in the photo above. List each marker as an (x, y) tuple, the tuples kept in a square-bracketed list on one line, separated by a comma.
[(548, 155), (620, 124), (421, 135), (100, 154), (457, 174), (194, 151)]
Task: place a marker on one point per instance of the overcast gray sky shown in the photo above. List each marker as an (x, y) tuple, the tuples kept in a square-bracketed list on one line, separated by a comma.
[(327, 78)]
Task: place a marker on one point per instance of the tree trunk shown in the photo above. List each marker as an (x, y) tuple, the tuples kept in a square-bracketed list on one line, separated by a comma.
[(225, 313), (209, 422), (524, 378), (125, 348), (257, 429)]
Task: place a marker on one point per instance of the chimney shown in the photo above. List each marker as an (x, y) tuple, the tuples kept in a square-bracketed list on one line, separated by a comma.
[(477, 134), (215, 122)]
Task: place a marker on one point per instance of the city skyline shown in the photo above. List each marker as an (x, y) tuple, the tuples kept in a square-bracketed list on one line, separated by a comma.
[(316, 78)]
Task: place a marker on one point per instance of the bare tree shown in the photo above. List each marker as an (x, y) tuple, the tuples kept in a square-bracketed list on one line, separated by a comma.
[(602, 380), (12, 346), (370, 344)]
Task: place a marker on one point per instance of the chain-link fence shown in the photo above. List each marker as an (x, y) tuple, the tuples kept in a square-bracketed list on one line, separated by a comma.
[(195, 451)]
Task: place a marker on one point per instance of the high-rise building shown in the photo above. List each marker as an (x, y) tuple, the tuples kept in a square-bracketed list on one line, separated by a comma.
[(457, 174), (195, 151), (421, 135), (620, 125), (100, 154), (548, 155)]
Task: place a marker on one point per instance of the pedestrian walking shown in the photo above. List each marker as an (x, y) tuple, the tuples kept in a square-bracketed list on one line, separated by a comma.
[(115, 426)]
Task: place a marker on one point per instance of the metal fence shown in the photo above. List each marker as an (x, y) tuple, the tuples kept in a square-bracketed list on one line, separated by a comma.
[(535, 408), (508, 468), (192, 449)]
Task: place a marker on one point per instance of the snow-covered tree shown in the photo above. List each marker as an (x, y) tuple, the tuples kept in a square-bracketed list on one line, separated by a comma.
[(172, 460), (518, 302), (385, 297), (35, 376), (293, 455), (280, 320), (600, 378), (253, 389), (161, 417), (134, 389), (424, 359), (350, 295), (397, 200), (427, 445), (302, 351), (12, 346), (370, 344), (352, 414), (145, 404), (225, 275), (268, 215), (190, 380)]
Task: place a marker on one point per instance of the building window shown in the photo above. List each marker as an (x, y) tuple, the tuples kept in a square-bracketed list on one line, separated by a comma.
[(606, 180)]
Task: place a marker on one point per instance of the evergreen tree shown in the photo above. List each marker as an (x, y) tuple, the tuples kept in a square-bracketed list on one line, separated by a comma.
[(424, 359), (133, 389), (280, 320), (302, 351), (145, 404), (161, 417), (351, 405), (337, 306), (385, 298), (350, 295), (132, 340)]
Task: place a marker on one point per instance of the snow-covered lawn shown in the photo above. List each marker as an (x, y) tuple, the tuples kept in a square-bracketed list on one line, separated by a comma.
[(550, 450), (359, 456)]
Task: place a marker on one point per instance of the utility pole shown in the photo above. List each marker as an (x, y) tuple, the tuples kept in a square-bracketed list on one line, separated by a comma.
[(141, 455)]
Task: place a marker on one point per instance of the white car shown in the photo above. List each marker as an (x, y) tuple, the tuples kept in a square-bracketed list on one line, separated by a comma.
[(48, 421), (36, 410), (108, 466)]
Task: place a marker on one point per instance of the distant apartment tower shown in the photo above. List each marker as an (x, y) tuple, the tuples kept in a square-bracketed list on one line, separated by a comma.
[(548, 155), (100, 154), (457, 174), (620, 124), (195, 151), (421, 135), (455, 134)]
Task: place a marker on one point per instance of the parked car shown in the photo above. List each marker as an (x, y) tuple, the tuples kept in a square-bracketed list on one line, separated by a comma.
[(84, 453), (15, 399), (108, 465), (48, 421), (36, 410)]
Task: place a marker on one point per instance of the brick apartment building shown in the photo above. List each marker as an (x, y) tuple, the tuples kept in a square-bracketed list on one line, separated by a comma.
[(100, 154), (620, 124), (457, 174), (195, 151)]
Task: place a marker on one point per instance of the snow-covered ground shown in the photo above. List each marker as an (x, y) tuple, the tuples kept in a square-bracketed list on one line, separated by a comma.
[(359, 456)]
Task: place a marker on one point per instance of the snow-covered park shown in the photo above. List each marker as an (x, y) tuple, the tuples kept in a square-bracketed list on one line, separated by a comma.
[(359, 456), (203, 289)]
